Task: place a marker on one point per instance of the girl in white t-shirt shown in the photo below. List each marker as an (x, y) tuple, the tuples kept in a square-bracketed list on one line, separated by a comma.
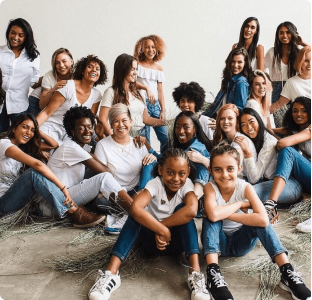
[(229, 230), (88, 72), (20, 147), (149, 50), (124, 90), (166, 227)]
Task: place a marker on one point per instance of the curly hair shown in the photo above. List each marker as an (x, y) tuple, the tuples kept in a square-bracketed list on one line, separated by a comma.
[(227, 71), (159, 45), (192, 91), (2, 92), (278, 47), (219, 135), (253, 46), (55, 54), (29, 42), (200, 135), (301, 58), (75, 113), (81, 65), (288, 121), (220, 150)]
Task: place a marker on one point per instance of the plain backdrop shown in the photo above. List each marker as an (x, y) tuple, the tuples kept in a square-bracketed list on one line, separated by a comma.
[(199, 33)]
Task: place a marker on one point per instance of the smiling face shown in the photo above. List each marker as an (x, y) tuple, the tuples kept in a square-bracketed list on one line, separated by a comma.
[(121, 126), (300, 115), (149, 49), (284, 35), (237, 64), (174, 173), (92, 72), (23, 132), (250, 30), (132, 75), (63, 64), (83, 131), (228, 122), (17, 37), (184, 129), (249, 125), (306, 65), (186, 104), (258, 87)]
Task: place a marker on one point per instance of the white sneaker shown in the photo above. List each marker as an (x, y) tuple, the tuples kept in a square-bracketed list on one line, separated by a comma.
[(116, 226), (196, 283), (104, 285), (304, 226)]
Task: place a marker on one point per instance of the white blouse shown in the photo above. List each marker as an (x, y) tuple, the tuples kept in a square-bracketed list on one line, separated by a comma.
[(18, 74)]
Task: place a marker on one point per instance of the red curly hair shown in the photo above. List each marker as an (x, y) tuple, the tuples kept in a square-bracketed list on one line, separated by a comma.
[(159, 45)]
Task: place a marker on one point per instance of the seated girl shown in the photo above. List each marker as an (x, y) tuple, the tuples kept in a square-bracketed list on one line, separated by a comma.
[(19, 148), (191, 97), (297, 132), (69, 161), (228, 231), (166, 228), (124, 159), (88, 72)]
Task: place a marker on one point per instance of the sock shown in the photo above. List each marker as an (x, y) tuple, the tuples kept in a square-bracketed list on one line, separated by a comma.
[(213, 266), (286, 267)]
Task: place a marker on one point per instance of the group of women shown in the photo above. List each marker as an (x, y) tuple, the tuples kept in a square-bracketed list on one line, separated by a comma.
[(221, 163)]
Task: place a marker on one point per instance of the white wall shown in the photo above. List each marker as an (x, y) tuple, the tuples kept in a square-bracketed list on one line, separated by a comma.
[(199, 33)]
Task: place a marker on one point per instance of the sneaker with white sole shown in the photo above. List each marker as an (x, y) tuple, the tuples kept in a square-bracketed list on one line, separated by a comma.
[(104, 285), (116, 224), (271, 209), (197, 285), (304, 226)]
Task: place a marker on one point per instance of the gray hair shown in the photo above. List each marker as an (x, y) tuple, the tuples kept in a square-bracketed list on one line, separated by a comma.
[(116, 110)]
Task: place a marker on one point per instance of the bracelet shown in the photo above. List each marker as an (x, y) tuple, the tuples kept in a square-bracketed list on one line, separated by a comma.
[(63, 188)]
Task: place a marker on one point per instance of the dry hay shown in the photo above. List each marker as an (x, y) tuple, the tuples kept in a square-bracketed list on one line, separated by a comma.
[(300, 211)]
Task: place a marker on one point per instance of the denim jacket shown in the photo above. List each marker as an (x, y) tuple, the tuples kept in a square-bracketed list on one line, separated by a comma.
[(237, 93)]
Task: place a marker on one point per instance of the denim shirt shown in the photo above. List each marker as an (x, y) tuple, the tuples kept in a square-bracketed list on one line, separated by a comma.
[(237, 93)]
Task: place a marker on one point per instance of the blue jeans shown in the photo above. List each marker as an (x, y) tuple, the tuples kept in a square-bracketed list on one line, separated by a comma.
[(20, 192), (161, 131), (240, 242), (33, 107), (277, 89), (183, 239), (6, 120)]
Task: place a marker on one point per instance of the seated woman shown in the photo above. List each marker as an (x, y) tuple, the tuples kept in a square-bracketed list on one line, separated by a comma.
[(297, 132), (166, 228), (191, 97), (260, 96), (88, 73), (19, 148), (123, 158), (69, 161), (234, 86), (228, 231), (124, 90)]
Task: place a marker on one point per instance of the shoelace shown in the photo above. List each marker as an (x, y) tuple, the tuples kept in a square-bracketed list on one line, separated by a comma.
[(199, 282), (100, 284), (121, 221), (295, 277), (218, 278)]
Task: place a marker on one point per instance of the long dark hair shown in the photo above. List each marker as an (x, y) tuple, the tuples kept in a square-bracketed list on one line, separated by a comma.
[(122, 68), (200, 135), (2, 92), (288, 121), (278, 48), (29, 43), (259, 139), (253, 46), (227, 72), (32, 147)]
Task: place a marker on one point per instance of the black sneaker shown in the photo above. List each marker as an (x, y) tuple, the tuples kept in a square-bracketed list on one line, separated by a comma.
[(271, 209), (216, 284), (292, 282)]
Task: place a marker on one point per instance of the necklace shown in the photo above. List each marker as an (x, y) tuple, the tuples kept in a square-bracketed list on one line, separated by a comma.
[(122, 148)]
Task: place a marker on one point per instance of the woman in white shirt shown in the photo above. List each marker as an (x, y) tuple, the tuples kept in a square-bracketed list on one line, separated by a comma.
[(19, 62), (88, 73), (124, 90)]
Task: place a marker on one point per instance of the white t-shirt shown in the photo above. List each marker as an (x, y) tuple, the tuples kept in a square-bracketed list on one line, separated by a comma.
[(66, 163), (48, 80), (296, 87), (159, 206), (54, 125), (36, 92), (125, 162), (276, 72), (204, 122), (9, 167), (238, 195), (305, 147), (150, 78), (254, 104), (136, 107)]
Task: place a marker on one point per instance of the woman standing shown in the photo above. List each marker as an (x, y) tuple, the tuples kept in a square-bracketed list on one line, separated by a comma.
[(89, 72), (19, 62), (248, 39), (234, 86)]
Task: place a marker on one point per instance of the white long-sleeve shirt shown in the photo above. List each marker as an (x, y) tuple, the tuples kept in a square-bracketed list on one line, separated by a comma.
[(18, 74)]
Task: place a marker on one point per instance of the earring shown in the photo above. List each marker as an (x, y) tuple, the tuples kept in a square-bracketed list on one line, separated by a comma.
[(194, 136)]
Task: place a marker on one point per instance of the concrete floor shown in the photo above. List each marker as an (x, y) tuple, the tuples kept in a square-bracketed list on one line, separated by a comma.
[(24, 274)]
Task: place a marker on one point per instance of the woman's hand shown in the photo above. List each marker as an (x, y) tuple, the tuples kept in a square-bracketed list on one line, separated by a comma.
[(150, 96), (68, 200), (140, 141), (243, 143), (212, 124), (99, 129), (197, 157), (46, 155), (148, 159), (60, 84), (162, 115), (163, 240)]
